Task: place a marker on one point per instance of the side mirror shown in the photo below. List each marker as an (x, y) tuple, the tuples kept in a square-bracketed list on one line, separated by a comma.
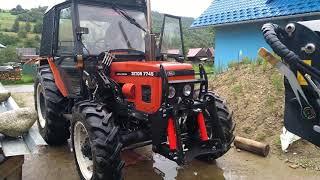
[(80, 31)]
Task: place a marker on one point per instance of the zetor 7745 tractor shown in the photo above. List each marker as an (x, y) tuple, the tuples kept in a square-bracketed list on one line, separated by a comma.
[(106, 82)]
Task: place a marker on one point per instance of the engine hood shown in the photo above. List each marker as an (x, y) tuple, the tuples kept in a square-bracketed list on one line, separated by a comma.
[(148, 66)]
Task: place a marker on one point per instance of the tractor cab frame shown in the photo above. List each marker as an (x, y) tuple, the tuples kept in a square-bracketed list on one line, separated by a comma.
[(71, 37)]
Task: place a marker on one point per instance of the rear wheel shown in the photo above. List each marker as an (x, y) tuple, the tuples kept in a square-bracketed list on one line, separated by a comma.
[(50, 105), (96, 143)]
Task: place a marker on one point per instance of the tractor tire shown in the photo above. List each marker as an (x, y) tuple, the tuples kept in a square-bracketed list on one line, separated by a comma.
[(228, 126), (50, 105), (96, 145)]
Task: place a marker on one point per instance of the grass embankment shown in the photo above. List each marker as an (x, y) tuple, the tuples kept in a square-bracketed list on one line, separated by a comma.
[(6, 23), (7, 20), (255, 93)]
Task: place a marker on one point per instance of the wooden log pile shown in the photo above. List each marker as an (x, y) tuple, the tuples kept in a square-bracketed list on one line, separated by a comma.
[(13, 75)]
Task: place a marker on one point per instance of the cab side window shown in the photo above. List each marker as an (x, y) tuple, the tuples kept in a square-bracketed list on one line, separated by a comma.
[(65, 34)]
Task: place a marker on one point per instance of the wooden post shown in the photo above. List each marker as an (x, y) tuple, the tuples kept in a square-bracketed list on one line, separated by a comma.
[(252, 146)]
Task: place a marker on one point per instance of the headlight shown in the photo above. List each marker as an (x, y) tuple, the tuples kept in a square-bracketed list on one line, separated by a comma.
[(187, 90), (172, 92)]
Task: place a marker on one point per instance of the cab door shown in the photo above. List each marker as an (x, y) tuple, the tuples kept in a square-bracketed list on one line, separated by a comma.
[(65, 50), (171, 38)]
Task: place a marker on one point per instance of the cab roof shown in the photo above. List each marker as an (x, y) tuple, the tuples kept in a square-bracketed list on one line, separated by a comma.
[(140, 3)]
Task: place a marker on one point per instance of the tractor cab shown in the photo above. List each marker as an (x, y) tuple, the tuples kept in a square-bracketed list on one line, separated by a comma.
[(87, 29)]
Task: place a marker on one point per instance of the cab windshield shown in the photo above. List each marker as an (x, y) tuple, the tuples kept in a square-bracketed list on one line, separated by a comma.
[(109, 30)]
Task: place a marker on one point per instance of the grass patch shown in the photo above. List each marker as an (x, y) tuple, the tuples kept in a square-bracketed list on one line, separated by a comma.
[(26, 79), (247, 130), (6, 20), (277, 82), (208, 67), (261, 137), (237, 89)]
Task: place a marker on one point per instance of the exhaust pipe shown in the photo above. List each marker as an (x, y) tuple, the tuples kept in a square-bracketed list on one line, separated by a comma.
[(150, 37)]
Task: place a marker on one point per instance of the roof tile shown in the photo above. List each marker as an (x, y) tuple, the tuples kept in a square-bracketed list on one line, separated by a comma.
[(230, 11)]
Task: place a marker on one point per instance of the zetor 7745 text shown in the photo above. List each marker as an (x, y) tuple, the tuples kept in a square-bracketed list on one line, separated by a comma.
[(108, 83)]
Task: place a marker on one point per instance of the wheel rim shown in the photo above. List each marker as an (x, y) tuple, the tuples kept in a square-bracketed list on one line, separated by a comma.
[(41, 106), (80, 137)]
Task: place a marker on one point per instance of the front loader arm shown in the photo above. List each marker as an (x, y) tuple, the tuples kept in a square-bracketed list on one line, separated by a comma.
[(298, 47)]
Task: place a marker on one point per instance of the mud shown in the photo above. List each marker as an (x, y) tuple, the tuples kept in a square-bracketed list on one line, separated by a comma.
[(58, 163)]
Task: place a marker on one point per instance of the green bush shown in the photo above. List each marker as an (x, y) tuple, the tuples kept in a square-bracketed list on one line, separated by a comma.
[(246, 60), (8, 54), (37, 38), (8, 40), (37, 28), (22, 34), (31, 43)]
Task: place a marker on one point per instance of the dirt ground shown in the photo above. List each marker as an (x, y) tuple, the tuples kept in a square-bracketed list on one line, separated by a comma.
[(255, 93), (58, 163)]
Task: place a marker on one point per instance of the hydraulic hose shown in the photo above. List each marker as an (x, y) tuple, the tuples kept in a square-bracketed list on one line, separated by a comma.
[(271, 33)]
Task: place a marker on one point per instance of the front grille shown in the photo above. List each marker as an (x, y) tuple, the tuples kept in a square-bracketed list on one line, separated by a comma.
[(146, 93)]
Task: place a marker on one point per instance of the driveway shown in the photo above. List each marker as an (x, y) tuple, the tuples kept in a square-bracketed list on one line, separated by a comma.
[(19, 88)]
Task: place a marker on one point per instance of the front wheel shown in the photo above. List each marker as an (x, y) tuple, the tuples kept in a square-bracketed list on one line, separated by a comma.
[(96, 143), (226, 123)]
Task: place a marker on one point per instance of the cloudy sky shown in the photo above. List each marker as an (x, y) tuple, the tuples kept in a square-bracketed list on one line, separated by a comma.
[(190, 8)]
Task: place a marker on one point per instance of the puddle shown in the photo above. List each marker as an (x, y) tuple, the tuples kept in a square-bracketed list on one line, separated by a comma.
[(158, 167), (57, 163)]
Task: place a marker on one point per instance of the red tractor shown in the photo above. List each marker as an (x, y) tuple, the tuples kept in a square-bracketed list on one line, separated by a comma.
[(105, 83)]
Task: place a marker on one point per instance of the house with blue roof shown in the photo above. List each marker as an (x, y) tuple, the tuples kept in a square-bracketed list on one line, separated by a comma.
[(238, 24)]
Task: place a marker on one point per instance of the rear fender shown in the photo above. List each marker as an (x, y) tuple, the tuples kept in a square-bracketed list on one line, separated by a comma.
[(57, 77)]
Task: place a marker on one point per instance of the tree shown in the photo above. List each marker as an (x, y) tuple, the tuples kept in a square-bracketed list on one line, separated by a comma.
[(32, 15), (16, 26), (22, 34), (17, 10), (28, 26), (37, 28)]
